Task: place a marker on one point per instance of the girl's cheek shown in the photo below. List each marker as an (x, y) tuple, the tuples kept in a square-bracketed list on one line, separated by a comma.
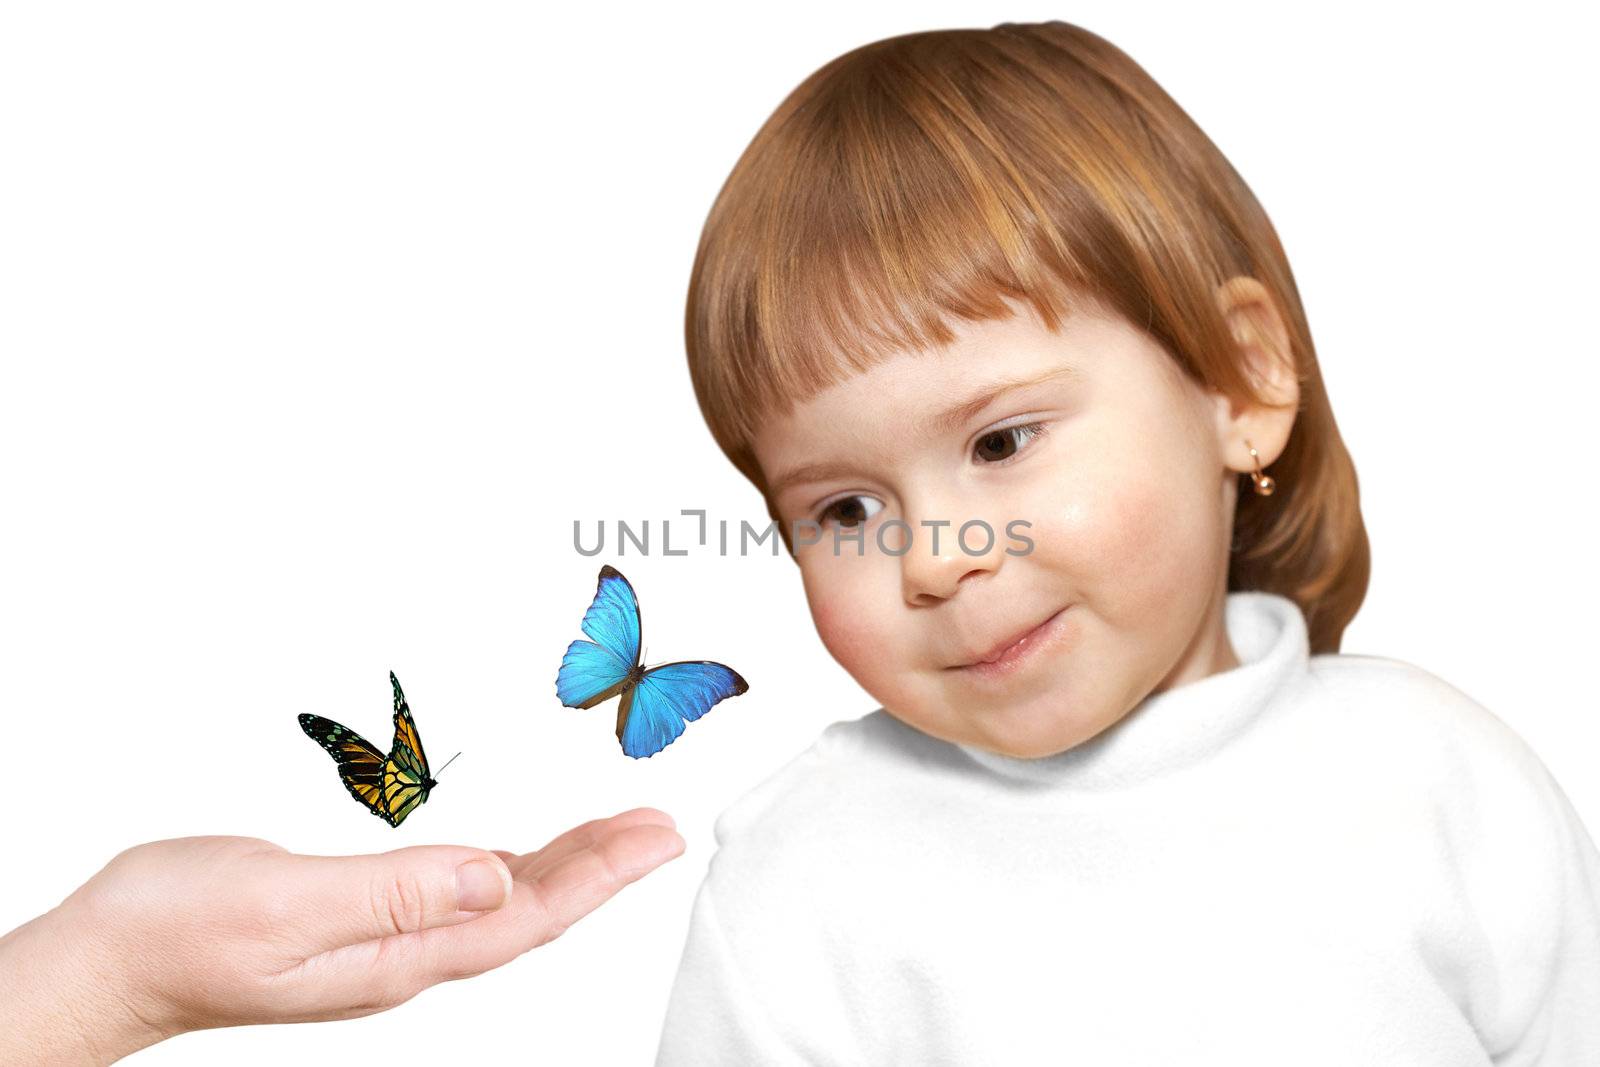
[(843, 620), (1108, 528), (1143, 543)]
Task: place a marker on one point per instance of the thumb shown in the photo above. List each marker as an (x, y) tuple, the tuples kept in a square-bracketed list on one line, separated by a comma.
[(363, 898)]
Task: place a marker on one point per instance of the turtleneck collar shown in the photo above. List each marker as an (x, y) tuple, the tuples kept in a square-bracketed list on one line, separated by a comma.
[(1185, 724)]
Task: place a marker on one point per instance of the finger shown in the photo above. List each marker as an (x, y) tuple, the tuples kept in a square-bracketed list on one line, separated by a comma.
[(349, 899), (581, 837), (575, 885), (540, 909)]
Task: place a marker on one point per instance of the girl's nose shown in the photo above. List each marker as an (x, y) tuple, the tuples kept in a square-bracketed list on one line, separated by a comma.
[(943, 555)]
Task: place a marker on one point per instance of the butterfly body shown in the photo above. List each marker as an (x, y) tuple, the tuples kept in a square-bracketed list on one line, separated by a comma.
[(656, 701), (390, 786)]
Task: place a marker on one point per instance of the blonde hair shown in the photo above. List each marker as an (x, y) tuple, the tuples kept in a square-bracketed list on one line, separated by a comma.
[(937, 174)]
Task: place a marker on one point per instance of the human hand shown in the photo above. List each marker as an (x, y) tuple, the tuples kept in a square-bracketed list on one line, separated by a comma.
[(202, 932)]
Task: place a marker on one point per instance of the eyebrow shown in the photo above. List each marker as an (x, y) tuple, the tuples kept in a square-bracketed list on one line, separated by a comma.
[(953, 418), (944, 422)]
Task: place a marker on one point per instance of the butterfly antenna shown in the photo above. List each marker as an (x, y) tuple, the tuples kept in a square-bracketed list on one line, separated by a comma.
[(447, 763)]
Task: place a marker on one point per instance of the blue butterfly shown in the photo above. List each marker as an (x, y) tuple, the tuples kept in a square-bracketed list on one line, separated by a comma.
[(656, 701)]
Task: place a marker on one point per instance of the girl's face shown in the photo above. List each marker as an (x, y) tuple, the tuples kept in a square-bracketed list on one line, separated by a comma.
[(1089, 443)]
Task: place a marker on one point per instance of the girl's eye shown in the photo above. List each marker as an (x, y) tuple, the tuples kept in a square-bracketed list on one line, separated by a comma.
[(849, 510), (997, 446)]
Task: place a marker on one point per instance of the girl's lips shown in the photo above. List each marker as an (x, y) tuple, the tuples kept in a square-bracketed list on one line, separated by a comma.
[(1019, 651)]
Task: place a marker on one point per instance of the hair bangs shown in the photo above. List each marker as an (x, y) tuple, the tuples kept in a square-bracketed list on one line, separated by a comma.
[(876, 208)]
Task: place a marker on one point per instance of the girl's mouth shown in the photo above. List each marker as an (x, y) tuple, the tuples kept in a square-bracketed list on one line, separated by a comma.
[(1021, 649)]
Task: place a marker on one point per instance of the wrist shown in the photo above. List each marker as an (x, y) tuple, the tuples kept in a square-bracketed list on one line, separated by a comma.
[(68, 998)]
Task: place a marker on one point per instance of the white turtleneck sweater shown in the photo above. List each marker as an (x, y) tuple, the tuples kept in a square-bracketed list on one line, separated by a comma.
[(1335, 860)]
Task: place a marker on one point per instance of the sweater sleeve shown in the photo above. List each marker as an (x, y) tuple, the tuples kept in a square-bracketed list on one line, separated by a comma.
[(712, 1018), (1564, 1024)]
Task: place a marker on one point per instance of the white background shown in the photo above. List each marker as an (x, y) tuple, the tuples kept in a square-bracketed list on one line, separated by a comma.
[(321, 322)]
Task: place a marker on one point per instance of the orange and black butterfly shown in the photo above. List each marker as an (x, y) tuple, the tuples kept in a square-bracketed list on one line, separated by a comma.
[(389, 786)]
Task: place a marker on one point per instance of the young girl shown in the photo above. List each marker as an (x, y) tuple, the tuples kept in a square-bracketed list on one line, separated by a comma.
[(1124, 802)]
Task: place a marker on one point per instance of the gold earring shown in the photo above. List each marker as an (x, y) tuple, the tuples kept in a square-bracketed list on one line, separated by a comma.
[(1263, 482)]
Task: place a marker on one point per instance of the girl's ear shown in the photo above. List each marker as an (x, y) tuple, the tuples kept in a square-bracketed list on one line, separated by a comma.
[(1263, 339), (1267, 357)]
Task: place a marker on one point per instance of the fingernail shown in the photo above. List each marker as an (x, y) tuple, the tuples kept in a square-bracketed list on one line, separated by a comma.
[(480, 886)]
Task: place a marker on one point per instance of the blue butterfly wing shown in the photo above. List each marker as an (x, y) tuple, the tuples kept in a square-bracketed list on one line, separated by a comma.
[(613, 618), (654, 712), (589, 674)]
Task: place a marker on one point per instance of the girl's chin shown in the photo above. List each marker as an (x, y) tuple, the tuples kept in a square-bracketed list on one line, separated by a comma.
[(1030, 737), (1040, 749)]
